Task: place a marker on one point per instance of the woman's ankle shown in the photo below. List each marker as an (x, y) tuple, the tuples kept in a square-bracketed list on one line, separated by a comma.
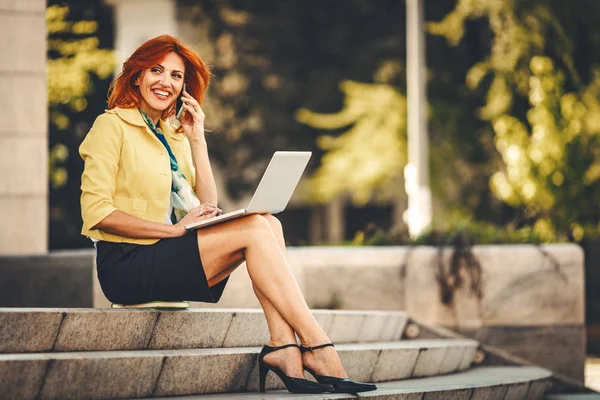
[(315, 340), (280, 341)]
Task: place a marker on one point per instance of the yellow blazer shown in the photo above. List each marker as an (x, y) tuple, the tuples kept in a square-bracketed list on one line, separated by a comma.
[(127, 168)]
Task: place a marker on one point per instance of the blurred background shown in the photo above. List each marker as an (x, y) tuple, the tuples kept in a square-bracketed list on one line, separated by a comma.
[(513, 114)]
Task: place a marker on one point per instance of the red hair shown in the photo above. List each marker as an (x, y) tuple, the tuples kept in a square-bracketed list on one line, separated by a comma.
[(123, 93)]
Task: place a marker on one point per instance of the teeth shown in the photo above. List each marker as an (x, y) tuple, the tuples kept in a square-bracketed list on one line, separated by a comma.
[(161, 93)]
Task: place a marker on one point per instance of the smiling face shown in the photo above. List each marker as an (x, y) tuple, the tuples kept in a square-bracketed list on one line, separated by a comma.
[(160, 85)]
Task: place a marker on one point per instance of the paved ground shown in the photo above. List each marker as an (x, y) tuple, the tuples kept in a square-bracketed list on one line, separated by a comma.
[(592, 373)]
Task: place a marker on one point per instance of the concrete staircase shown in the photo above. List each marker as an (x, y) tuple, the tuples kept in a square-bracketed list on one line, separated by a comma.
[(100, 354)]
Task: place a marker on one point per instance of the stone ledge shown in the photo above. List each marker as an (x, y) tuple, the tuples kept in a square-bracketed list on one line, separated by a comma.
[(558, 348), (182, 372), (482, 383), (520, 285), (59, 279), (494, 356), (67, 329)]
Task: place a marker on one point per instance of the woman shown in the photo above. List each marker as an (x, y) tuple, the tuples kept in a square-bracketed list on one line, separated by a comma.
[(144, 181)]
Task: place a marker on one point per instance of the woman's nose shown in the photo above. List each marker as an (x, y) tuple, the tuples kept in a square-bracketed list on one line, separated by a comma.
[(164, 79)]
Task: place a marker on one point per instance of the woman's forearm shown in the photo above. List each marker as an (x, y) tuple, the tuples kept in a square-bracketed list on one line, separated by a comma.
[(206, 188), (122, 224)]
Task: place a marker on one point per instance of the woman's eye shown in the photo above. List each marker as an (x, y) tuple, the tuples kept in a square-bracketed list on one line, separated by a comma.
[(177, 76), (155, 70)]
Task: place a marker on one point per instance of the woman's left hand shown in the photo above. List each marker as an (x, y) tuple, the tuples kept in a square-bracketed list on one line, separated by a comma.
[(193, 119)]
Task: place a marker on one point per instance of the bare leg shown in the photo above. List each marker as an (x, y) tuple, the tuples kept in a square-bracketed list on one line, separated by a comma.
[(315, 360), (290, 359), (222, 246), (280, 332), (267, 267)]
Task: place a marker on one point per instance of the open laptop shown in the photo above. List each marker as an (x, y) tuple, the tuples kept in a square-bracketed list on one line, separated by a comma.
[(274, 190)]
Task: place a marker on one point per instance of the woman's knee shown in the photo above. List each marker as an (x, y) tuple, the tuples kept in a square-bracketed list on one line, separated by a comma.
[(257, 222), (261, 222), (274, 223)]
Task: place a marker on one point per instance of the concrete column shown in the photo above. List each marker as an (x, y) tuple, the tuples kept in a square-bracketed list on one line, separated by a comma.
[(416, 173), (23, 128), (139, 20)]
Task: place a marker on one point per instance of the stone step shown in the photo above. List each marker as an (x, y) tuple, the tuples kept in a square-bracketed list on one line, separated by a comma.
[(581, 396), (147, 373), (481, 383), (28, 330)]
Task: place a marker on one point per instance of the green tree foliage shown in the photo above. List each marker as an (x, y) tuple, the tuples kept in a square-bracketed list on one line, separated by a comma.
[(366, 151), (368, 157), (73, 55), (367, 160), (270, 58), (80, 66), (543, 104)]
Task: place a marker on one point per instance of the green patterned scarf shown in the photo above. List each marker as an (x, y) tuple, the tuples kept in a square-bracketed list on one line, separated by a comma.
[(183, 197)]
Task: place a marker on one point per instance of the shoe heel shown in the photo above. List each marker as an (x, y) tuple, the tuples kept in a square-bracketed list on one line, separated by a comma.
[(263, 370), (293, 385)]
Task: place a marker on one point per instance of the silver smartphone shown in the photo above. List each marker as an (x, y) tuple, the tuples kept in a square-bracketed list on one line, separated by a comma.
[(179, 105)]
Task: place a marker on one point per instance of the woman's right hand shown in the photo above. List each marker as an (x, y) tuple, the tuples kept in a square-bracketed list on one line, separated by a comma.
[(202, 212)]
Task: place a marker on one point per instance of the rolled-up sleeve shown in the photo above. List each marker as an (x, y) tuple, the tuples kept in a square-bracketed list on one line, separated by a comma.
[(100, 151)]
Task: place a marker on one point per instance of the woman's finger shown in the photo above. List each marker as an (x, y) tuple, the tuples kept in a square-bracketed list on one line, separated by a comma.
[(190, 100), (193, 112), (209, 215), (191, 116), (195, 210), (212, 207), (189, 97), (205, 209), (188, 107), (193, 104)]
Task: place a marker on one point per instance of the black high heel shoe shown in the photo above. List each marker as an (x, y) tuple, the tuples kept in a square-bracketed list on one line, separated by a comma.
[(293, 385), (340, 385)]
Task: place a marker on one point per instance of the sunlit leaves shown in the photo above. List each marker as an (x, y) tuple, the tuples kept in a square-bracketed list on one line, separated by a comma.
[(58, 174), (476, 74), (499, 99), (549, 154), (592, 174), (72, 61), (69, 77), (73, 55), (371, 153), (55, 20)]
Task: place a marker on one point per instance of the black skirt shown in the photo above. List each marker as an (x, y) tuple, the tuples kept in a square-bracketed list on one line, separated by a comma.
[(168, 270)]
